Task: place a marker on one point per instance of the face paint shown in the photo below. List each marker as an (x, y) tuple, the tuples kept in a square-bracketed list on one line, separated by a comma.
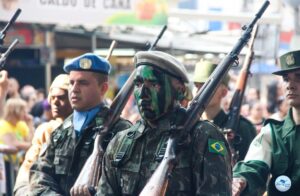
[(153, 92)]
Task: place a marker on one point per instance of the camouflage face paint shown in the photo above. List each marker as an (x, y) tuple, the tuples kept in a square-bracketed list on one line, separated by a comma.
[(153, 92)]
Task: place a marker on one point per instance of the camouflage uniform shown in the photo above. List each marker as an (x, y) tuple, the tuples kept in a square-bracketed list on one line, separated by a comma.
[(245, 130), (198, 171), (58, 167), (70, 145), (203, 158), (57, 90)]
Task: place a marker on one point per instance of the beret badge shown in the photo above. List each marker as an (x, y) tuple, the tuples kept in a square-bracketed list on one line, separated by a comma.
[(85, 63), (290, 60)]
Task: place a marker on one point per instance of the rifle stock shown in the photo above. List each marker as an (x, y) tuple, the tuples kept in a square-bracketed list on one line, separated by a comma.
[(231, 125), (91, 171), (111, 49), (200, 102), (158, 183)]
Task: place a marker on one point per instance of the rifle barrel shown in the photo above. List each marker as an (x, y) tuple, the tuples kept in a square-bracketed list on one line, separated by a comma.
[(4, 56), (158, 37), (10, 22)]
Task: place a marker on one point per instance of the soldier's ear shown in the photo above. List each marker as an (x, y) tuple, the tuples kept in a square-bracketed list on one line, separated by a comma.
[(104, 88), (224, 90), (179, 88)]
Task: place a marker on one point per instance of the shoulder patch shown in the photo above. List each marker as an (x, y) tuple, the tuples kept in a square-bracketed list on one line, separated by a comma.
[(216, 146)]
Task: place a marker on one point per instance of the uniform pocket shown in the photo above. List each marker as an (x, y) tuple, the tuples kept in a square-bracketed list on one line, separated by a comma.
[(61, 161), (180, 183), (129, 179)]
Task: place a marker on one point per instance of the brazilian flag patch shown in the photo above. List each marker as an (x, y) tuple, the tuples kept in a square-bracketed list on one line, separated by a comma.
[(215, 146)]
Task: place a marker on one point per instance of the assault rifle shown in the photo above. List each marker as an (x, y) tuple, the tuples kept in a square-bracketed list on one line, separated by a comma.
[(231, 125), (4, 56), (91, 171), (158, 183), (10, 22)]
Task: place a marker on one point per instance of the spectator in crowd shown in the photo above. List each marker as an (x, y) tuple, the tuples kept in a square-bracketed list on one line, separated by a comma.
[(28, 93), (252, 95), (61, 109), (256, 114), (282, 109), (16, 129), (274, 93), (44, 115), (13, 88), (4, 149), (40, 94)]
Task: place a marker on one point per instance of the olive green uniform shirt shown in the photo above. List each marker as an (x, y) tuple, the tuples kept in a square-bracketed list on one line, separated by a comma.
[(245, 130), (274, 151), (57, 169), (200, 169)]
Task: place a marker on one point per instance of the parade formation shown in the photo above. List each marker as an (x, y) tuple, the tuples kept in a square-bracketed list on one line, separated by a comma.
[(191, 135)]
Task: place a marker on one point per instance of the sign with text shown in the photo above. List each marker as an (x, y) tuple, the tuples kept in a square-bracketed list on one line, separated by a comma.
[(87, 12)]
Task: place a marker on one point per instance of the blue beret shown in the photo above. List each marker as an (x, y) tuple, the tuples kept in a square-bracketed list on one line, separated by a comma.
[(88, 62)]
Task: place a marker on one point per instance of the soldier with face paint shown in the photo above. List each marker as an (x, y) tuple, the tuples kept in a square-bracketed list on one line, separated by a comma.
[(203, 159)]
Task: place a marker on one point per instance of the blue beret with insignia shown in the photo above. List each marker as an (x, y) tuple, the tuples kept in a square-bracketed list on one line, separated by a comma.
[(88, 62)]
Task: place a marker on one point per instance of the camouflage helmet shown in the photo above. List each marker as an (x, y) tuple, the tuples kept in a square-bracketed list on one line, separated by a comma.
[(203, 69), (289, 62)]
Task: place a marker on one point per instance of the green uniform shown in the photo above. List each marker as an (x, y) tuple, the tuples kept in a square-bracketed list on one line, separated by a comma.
[(203, 166), (57, 169), (274, 151), (245, 130)]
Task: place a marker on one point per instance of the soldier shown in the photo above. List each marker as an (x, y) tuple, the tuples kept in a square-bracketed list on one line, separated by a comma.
[(203, 164), (69, 146), (275, 150), (216, 114), (61, 109)]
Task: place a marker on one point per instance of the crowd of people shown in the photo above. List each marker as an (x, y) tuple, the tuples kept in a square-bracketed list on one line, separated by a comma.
[(46, 137)]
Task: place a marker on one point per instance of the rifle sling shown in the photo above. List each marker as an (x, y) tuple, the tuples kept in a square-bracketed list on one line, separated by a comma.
[(125, 148)]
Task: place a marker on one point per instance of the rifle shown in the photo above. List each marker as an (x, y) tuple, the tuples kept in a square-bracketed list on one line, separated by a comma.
[(91, 171), (194, 111), (231, 125), (10, 22), (4, 56)]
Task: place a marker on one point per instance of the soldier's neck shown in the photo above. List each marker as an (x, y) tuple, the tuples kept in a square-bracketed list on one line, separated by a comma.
[(211, 112), (296, 116)]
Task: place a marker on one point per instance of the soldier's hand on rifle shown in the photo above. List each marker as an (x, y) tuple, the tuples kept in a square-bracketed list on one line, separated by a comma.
[(238, 185), (82, 190)]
